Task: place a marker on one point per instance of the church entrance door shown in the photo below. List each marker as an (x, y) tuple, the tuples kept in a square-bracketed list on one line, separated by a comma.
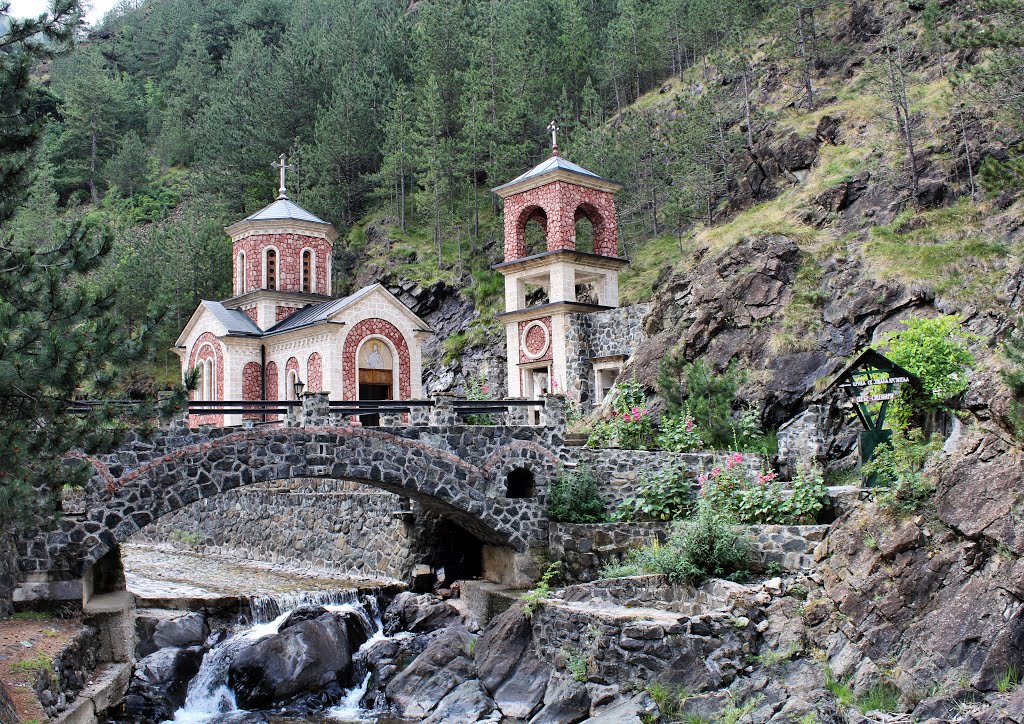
[(375, 377)]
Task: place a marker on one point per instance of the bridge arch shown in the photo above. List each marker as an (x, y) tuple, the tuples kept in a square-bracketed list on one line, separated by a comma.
[(137, 486)]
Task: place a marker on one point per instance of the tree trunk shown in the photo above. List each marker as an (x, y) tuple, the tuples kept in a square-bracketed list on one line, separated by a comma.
[(805, 54), (746, 106), (93, 192)]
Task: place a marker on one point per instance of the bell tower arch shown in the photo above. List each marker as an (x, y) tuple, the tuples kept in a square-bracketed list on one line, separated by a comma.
[(555, 194)]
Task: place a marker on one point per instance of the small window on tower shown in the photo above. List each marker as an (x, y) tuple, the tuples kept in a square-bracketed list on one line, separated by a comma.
[(307, 271), (241, 272), (271, 269)]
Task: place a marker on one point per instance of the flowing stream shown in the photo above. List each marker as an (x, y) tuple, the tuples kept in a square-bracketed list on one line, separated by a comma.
[(210, 698)]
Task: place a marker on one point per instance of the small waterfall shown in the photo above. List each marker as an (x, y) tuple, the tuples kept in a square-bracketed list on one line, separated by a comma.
[(209, 697)]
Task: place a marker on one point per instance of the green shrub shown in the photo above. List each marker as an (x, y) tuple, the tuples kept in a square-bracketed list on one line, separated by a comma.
[(573, 498), (629, 426), (706, 395), (190, 538), (899, 467), (936, 351), (666, 494), (578, 667), (708, 545), (1013, 376), (679, 433), (620, 570), (538, 593), (808, 496)]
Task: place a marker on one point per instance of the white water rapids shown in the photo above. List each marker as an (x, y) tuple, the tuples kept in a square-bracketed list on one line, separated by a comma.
[(210, 698)]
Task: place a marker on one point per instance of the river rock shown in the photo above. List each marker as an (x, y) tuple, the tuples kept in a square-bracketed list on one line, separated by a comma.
[(308, 656), (631, 711), (443, 665), (566, 701), (157, 629), (300, 614), (510, 669), (419, 613), (465, 704), (160, 683)]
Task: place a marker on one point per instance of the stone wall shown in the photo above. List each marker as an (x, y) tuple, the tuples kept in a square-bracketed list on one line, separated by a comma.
[(621, 471), (602, 334), (585, 549), (72, 669), (319, 523)]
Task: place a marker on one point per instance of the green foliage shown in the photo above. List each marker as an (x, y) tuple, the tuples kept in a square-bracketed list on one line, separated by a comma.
[(36, 663), (31, 616), (899, 466), (666, 494), (693, 389), (883, 696), (708, 545), (936, 351), (532, 598), (453, 347), (763, 500), (573, 497), (629, 425), (1009, 681), (478, 389), (997, 176), (1013, 375), (669, 698), (188, 537), (578, 667), (620, 570), (679, 433)]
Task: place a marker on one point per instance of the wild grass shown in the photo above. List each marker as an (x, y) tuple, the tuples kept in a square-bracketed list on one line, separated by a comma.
[(647, 260), (32, 616), (943, 251), (36, 663), (1009, 681), (801, 317)]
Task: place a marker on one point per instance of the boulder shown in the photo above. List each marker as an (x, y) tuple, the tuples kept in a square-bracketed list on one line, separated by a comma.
[(156, 629), (636, 710), (443, 665), (307, 656), (160, 683), (509, 668), (465, 704), (566, 701), (7, 710), (419, 613), (300, 614)]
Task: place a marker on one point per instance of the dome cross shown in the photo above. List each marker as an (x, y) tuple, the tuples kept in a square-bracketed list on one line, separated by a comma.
[(282, 163)]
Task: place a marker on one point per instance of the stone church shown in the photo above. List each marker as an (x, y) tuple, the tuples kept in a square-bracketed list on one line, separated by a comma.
[(283, 326), (565, 331)]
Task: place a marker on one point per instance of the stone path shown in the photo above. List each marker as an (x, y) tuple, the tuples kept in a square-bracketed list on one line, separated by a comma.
[(160, 572)]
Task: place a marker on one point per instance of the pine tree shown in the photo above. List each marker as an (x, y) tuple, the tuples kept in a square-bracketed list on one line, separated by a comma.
[(394, 178), (58, 339), (129, 167)]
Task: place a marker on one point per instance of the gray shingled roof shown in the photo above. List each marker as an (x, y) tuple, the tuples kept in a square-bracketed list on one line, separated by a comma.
[(284, 209), (552, 164), (234, 320), (316, 313)]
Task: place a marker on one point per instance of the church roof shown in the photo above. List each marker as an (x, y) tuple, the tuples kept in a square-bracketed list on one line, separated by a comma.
[(316, 313), (552, 165), (284, 209), (234, 320)]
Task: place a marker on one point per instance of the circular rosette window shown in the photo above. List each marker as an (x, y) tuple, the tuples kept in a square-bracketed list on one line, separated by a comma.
[(536, 340)]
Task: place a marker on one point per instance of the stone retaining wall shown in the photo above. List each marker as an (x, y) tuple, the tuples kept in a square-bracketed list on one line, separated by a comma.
[(620, 472), (585, 549), (71, 671), (330, 524)]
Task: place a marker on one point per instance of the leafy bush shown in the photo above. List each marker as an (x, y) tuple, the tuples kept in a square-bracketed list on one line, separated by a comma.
[(679, 433), (708, 396), (573, 498), (900, 465), (936, 351), (708, 545), (629, 426), (478, 389), (619, 570), (538, 593), (763, 500), (666, 494), (1013, 376)]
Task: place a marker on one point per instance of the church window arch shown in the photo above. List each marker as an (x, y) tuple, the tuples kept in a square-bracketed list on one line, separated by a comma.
[(270, 264), (308, 271), (240, 276), (210, 381), (532, 230)]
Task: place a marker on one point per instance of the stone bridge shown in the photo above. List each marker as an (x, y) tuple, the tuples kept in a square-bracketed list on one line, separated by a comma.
[(489, 479)]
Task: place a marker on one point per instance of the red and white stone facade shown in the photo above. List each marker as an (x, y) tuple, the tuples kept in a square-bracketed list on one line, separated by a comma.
[(383, 330), (252, 250), (262, 359), (557, 207)]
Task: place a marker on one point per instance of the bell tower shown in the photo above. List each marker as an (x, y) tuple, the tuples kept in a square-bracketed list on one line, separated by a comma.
[(548, 287)]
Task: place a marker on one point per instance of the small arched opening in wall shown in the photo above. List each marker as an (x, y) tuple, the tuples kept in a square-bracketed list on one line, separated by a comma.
[(520, 483), (270, 262), (308, 271), (240, 275)]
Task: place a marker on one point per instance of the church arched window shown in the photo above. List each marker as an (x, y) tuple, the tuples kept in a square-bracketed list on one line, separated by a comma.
[(240, 284), (211, 388), (289, 389), (307, 271), (201, 382), (271, 269)]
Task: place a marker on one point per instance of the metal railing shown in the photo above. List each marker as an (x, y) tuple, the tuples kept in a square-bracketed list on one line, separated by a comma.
[(241, 407)]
